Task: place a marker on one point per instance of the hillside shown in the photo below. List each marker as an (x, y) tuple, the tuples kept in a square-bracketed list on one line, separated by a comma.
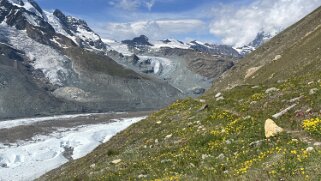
[(221, 135)]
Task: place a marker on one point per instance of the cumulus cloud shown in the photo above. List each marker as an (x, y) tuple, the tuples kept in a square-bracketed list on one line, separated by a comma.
[(154, 29), (238, 26), (132, 5)]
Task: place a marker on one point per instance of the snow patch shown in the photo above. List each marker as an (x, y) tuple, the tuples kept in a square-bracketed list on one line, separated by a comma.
[(29, 160), (54, 65), (29, 121)]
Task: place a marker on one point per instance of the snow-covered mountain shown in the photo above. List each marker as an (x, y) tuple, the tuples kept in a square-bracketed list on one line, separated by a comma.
[(51, 63), (191, 67), (260, 39)]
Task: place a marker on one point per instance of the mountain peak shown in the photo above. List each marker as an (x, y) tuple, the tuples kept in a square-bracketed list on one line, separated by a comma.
[(141, 40)]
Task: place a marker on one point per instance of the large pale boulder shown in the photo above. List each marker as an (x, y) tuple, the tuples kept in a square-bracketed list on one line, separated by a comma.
[(271, 128)]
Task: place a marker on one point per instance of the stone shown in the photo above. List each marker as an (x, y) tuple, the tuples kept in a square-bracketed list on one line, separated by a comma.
[(309, 149), (220, 98), (221, 156), (158, 122), (256, 143), (251, 71), (204, 156), (116, 161), (142, 176), (156, 141), (278, 115), (270, 90), (256, 87), (277, 57), (92, 165), (317, 144), (253, 102), (205, 106), (295, 99), (202, 100), (218, 95), (271, 128), (168, 136), (313, 91)]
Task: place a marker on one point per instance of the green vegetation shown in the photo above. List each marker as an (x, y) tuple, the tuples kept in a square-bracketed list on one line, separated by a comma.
[(224, 141)]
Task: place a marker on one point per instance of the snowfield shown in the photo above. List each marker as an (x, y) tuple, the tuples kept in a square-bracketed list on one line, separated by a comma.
[(27, 160)]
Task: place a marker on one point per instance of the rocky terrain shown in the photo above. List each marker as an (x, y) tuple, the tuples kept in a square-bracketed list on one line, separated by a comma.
[(259, 121)]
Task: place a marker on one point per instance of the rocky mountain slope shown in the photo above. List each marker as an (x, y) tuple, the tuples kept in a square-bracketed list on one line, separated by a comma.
[(226, 134), (53, 64), (190, 67)]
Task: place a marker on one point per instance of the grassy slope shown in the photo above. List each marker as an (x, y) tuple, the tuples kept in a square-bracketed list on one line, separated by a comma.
[(201, 133), (230, 127)]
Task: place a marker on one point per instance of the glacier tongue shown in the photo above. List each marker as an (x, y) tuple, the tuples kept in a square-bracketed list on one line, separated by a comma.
[(54, 65)]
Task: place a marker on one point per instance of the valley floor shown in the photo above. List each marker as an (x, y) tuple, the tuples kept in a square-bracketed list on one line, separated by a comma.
[(31, 147)]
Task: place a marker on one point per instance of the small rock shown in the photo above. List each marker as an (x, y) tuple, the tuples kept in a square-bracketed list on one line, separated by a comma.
[(205, 106), (142, 176), (271, 128), (226, 172), (228, 142), (295, 140), (270, 90), (168, 136), (278, 115), (277, 57), (221, 156), (253, 102), (317, 144), (313, 91), (116, 161), (158, 122), (280, 81), (220, 98), (308, 111), (295, 99), (309, 149), (166, 160), (156, 141), (218, 95), (92, 165), (202, 100), (312, 82), (256, 143), (204, 156), (256, 87)]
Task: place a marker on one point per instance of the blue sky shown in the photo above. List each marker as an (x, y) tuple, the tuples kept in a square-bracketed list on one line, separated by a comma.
[(233, 22)]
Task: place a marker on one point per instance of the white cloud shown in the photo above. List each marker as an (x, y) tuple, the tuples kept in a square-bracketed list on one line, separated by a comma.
[(154, 29), (239, 25), (132, 5)]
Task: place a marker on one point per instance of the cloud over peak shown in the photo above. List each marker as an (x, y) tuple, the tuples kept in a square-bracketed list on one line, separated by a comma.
[(154, 29), (238, 26), (131, 5)]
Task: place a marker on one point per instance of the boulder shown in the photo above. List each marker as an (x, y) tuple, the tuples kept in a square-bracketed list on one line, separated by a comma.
[(271, 128)]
